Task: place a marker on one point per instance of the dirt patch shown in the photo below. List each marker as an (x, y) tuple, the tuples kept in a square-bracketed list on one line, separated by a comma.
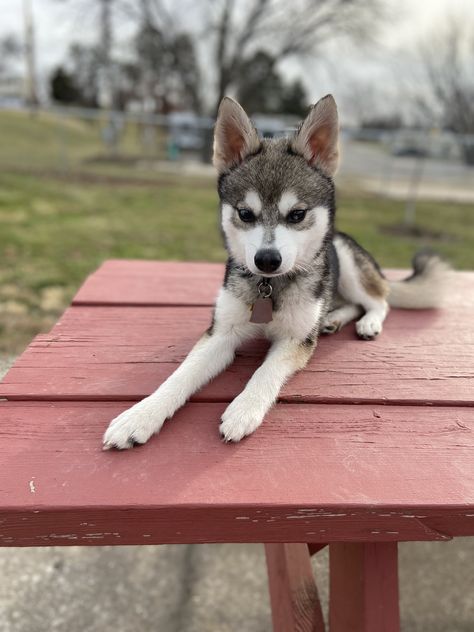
[(405, 230)]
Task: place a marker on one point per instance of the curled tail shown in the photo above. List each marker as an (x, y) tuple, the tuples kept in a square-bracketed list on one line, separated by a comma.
[(425, 288)]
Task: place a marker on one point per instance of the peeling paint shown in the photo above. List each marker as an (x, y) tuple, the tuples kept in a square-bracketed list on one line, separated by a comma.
[(316, 515)]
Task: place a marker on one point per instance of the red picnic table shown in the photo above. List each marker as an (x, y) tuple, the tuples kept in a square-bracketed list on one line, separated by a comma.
[(370, 445)]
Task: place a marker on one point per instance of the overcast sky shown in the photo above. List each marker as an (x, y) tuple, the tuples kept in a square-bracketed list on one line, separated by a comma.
[(55, 30)]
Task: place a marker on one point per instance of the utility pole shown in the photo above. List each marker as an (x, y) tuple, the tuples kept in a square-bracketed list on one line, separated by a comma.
[(105, 47), (31, 94)]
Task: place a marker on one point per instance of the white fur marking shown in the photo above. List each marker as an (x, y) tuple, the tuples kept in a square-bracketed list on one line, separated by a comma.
[(253, 202), (245, 414), (338, 318), (209, 356), (350, 287), (287, 202), (243, 244), (298, 247)]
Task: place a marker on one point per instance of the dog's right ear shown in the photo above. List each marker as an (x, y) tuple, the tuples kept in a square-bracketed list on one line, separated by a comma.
[(234, 136)]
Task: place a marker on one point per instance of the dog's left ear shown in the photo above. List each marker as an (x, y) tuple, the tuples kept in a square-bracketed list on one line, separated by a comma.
[(234, 136), (317, 138)]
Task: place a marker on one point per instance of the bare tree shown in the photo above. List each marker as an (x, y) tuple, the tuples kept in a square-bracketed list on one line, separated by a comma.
[(233, 30), (284, 29), (446, 94), (448, 61), (105, 12), (164, 50)]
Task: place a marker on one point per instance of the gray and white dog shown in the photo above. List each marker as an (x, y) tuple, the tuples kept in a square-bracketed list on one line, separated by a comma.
[(289, 275)]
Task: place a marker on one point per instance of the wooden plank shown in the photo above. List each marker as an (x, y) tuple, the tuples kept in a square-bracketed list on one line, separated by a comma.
[(310, 473), (364, 587), (126, 352), (125, 282), (293, 593), (138, 282)]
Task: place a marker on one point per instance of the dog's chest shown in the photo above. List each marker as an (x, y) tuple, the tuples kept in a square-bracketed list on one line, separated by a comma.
[(296, 313)]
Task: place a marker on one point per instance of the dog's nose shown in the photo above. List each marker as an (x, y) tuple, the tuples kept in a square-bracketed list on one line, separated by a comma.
[(268, 260)]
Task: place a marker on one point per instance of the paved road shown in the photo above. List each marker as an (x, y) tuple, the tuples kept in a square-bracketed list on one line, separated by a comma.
[(372, 167)]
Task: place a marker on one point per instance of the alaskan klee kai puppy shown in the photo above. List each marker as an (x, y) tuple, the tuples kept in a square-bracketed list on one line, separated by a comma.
[(290, 276)]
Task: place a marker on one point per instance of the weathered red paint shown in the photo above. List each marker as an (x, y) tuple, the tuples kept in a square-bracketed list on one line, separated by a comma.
[(311, 473), (117, 353), (121, 282), (293, 592), (364, 587), (397, 466)]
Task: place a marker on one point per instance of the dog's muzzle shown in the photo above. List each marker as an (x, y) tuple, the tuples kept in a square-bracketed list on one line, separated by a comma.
[(267, 260)]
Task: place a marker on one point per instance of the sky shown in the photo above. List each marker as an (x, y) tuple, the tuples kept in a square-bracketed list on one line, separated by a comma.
[(55, 29)]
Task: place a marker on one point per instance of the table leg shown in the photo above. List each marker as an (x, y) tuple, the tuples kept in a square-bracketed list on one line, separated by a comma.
[(364, 587), (293, 593)]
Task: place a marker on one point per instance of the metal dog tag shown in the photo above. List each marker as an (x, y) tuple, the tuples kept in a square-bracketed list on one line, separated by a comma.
[(262, 309)]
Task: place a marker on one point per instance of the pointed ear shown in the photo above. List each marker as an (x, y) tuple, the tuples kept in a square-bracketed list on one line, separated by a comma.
[(234, 136), (317, 138)]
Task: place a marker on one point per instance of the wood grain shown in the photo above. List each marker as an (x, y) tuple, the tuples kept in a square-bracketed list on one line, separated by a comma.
[(124, 353), (293, 593), (148, 283), (310, 473)]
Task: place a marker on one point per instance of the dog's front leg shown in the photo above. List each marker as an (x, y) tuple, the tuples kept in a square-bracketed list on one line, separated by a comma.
[(247, 411), (211, 355)]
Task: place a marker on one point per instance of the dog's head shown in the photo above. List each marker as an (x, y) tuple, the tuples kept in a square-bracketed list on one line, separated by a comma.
[(277, 196)]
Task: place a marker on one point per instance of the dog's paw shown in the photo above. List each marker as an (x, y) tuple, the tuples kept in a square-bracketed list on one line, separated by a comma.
[(239, 420), (368, 327), (331, 326), (134, 426)]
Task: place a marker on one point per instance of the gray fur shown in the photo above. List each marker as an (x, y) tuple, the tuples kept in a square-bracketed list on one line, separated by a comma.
[(274, 169)]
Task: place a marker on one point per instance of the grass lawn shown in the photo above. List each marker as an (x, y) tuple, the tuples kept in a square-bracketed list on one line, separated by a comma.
[(55, 231), (48, 141)]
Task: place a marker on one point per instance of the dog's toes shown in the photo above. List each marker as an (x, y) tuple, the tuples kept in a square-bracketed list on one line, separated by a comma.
[(225, 438), (368, 328), (109, 445), (331, 327), (366, 336)]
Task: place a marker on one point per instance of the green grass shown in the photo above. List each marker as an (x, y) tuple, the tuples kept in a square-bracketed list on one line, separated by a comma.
[(49, 141), (55, 231), (371, 220), (61, 215)]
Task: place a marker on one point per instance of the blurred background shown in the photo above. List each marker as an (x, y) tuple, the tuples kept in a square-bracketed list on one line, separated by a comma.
[(106, 114)]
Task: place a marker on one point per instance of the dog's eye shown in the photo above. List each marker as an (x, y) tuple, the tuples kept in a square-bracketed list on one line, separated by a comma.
[(246, 215), (296, 216)]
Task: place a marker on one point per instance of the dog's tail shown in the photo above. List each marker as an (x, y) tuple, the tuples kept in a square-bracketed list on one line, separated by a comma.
[(425, 287)]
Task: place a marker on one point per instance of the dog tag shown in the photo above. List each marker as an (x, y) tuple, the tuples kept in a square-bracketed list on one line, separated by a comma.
[(262, 310)]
